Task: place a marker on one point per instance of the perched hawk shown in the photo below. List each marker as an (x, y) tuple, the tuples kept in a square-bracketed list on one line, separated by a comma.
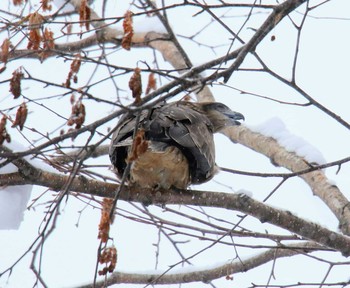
[(173, 145)]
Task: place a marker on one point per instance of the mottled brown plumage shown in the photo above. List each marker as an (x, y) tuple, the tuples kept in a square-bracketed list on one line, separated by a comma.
[(179, 140)]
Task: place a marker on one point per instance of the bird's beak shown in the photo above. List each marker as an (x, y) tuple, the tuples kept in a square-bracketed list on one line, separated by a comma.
[(235, 117)]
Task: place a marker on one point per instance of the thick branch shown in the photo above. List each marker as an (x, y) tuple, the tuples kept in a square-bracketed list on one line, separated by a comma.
[(206, 275), (26, 170), (239, 202), (317, 180)]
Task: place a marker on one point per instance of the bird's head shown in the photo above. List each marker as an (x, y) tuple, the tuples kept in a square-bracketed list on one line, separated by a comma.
[(220, 115)]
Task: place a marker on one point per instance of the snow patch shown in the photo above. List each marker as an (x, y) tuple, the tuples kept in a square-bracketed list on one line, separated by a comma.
[(276, 129), (15, 146), (147, 24), (13, 203), (14, 199)]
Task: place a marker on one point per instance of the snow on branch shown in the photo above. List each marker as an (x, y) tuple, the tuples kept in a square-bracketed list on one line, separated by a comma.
[(317, 180), (276, 129)]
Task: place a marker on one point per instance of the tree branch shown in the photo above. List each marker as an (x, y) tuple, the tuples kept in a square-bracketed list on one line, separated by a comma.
[(317, 180), (239, 202), (279, 12), (80, 154), (206, 275)]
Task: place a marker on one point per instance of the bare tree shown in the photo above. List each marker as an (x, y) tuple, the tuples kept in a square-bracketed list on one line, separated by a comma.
[(65, 80)]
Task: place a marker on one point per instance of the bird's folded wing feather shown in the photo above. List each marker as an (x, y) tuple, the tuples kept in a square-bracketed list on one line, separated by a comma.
[(177, 123), (191, 130), (126, 126)]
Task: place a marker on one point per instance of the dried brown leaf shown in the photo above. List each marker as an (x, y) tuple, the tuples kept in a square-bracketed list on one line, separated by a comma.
[(45, 5), (34, 39), (21, 116), (4, 136), (3, 122), (48, 39), (128, 30), (35, 21), (75, 66), (48, 43), (108, 257), (152, 83), (72, 99), (15, 83), (67, 83), (84, 14), (5, 49), (140, 146), (17, 2), (105, 221), (135, 85), (77, 116), (74, 69)]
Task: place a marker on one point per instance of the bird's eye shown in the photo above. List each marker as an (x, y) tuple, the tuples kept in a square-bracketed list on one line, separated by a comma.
[(220, 106)]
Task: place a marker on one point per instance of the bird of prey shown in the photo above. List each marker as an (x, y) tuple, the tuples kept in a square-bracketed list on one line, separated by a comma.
[(172, 145)]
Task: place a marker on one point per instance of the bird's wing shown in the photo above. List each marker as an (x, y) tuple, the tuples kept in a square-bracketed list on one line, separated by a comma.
[(122, 139), (174, 124), (191, 131), (125, 128)]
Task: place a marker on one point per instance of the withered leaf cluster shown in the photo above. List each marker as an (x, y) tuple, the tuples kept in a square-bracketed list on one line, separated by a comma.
[(48, 41), (140, 146), (21, 116), (35, 21), (74, 69), (4, 136), (84, 14), (135, 85), (128, 30), (18, 2), (22, 111), (5, 49), (152, 83), (77, 116), (109, 258), (106, 221), (35, 36), (15, 83), (45, 5)]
